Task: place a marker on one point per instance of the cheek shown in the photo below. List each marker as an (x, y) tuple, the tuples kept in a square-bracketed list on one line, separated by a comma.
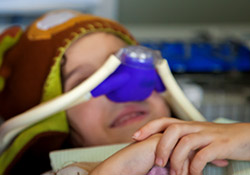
[(88, 120), (82, 113), (159, 106)]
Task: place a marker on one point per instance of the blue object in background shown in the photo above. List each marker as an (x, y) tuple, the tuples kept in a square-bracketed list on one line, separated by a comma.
[(204, 56), (175, 52), (242, 61)]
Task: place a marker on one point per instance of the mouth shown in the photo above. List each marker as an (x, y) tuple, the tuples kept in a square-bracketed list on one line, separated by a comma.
[(128, 116)]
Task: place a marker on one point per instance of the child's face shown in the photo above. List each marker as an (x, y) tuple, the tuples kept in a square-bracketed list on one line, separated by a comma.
[(101, 121)]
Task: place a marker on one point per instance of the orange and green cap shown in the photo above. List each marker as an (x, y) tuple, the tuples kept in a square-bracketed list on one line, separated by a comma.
[(30, 74)]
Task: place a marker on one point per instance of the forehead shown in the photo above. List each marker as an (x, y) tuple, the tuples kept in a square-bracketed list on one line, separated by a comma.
[(92, 50)]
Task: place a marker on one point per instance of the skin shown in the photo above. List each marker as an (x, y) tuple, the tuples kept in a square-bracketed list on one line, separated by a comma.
[(91, 122), (188, 146), (197, 143), (123, 162)]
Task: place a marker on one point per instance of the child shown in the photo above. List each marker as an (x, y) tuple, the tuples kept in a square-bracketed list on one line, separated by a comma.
[(65, 46), (111, 120), (56, 53)]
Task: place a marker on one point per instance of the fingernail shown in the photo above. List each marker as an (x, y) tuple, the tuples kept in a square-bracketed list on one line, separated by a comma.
[(136, 134), (172, 172), (159, 162)]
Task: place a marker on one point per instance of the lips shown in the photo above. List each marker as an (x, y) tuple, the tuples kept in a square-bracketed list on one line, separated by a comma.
[(129, 115)]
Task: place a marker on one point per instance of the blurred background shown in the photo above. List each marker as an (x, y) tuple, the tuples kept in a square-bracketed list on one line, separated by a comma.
[(207, 43)]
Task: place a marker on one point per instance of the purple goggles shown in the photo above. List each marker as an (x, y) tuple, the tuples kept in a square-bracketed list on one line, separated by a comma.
[(135, 79)]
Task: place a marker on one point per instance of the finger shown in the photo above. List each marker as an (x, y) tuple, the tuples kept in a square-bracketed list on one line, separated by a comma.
[(220, 162), (169, 139), (154, 127), (202, 157), (188, 143), (185, 167)]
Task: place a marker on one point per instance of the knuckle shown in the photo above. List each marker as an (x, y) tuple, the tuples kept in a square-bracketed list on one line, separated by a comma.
[(200, 157), (176, 127), (186, 140)]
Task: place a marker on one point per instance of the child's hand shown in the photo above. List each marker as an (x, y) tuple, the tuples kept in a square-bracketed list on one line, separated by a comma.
[(136, 159), (201, 142), (80, 168)]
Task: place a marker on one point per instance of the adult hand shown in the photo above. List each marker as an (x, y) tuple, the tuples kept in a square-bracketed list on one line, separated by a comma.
[(197, 142)]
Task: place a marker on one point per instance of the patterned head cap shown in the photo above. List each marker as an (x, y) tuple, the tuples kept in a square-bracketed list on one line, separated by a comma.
[(30, 74), (30, 69)]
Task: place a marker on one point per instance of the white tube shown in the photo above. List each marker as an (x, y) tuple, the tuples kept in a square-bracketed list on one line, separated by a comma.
[(15, 125), (175, 97)]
